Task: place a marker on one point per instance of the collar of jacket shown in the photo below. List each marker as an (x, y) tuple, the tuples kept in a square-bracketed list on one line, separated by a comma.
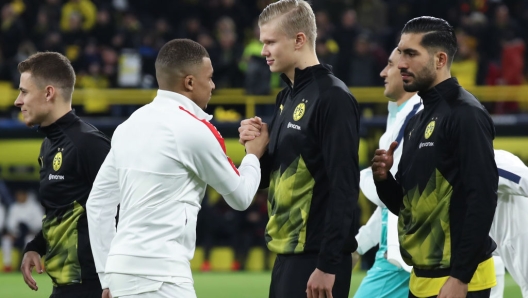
[(442, 91), (304, 77), (55, 128), (165, 97)]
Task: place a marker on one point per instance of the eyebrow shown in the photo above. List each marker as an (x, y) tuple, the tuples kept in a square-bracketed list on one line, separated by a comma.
[(409, 51)]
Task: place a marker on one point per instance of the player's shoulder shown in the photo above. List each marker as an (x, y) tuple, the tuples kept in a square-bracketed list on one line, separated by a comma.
[(466, 102), (86, 137)]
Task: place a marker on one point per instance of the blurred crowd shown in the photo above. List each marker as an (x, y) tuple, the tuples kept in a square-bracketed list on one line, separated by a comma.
[(114, 43)]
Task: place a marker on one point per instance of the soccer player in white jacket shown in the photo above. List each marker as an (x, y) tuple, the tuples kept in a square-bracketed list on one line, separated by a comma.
[(509, 228), (161, 161), (389, 276)]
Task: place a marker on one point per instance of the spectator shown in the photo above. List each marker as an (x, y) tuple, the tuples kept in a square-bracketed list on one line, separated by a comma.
[(12, 31), (85, 8), (345, 37), (104, 28), (363, 67), (464, 66), (24, 220), (229, 55)]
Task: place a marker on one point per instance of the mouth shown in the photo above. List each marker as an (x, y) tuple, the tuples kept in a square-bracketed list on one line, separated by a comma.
[(270, 62), (406, 76)]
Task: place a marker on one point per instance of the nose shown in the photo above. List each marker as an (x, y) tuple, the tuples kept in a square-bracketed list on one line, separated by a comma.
[(383, 73), (213, 85), (402, 64), (18, 102), (264, 51)]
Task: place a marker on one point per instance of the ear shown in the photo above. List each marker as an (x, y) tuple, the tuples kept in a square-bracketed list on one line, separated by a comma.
[(189, 82), (441, 59), (300, 40), (50, 92)]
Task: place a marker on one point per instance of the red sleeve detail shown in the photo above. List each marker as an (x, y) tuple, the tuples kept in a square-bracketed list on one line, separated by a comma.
[(217, 135)]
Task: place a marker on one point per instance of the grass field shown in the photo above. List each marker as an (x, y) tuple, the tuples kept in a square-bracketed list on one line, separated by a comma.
[(217, 285)]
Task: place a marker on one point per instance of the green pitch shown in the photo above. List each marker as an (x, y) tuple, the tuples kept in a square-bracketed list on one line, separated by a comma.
[(218, 285)]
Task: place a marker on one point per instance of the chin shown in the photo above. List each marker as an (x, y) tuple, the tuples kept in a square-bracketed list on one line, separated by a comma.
[(410, 88)]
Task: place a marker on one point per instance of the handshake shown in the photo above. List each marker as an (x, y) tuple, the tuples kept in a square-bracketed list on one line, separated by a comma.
[(254, 136)]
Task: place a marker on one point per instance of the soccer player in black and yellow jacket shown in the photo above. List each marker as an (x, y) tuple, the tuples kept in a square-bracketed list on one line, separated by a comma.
[(311, 165), (445, 190), (70, 158)]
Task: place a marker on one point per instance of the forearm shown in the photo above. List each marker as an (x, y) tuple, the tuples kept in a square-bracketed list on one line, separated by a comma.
[(338, 224), (390, 193), (101, 226), (249, 180)]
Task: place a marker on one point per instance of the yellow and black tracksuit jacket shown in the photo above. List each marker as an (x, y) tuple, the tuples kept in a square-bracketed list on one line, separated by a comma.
[(445, 191), (311, 168), (70, 158)]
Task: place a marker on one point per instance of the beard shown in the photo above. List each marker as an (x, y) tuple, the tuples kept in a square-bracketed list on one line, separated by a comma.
[(423, 80)]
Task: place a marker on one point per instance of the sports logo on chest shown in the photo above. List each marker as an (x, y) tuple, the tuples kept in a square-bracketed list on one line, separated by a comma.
[(57, 164), (297, 115), (57, 160), (429, 131)]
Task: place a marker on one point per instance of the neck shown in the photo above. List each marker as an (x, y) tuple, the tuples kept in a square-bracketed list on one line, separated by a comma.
[(306, 59), (57, 113), (181, 92), (405, 97), (442, 76)]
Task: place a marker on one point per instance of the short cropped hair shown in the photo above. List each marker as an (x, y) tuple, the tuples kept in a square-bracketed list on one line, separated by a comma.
[(297, 16), (178, 56), (438, 34), (50, 68)]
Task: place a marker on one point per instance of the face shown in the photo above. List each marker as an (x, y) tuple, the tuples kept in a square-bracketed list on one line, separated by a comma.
[(278, 49), (416, 64), (392, 77), (32, 101), (203, 85)]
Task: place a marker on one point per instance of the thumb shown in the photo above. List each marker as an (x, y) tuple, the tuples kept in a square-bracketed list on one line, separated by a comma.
[(392, 147), (264, 127), (38, 266)]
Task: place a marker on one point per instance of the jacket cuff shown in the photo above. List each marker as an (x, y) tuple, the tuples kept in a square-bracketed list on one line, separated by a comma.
[(103, 280), (326, 266), (31, 246), (463, 274)]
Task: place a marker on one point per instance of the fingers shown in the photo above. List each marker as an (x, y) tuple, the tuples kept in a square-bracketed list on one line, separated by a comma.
[(264, 128), (309, 293), (38, 266), (28, 279), (392, 147), (255, 122), (329, 293), (248, 135), (249, 129)]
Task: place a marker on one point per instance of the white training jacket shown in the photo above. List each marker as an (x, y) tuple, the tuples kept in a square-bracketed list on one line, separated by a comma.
[(369, 235), (161, 160), (513, 187)]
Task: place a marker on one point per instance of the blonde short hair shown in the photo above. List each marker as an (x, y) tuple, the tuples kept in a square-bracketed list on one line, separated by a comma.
[(297, 16)]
